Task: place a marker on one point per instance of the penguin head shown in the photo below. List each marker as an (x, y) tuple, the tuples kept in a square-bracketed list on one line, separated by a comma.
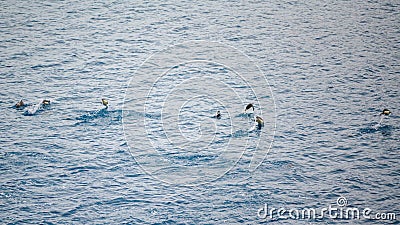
[(249, 106), (104, 102), (386, 112)]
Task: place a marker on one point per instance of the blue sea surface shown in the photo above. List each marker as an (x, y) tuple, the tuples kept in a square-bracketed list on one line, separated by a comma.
[(328, 69)]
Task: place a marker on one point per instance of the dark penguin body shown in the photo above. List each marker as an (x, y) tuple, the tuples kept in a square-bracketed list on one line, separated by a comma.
[(249, 106)]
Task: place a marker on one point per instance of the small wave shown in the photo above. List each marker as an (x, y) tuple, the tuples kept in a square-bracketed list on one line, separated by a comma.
[(151, 116), (194, 157), (113, 115), (40, 66), (239, 133), (141, 114), (283, 164), (367, 130), (246, 115)]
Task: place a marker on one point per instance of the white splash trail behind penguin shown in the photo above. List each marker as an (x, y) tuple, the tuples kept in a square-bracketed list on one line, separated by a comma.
[(34, 108)]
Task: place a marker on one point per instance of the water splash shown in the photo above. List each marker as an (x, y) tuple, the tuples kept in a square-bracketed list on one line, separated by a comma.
[(377, 126), (32, 110), (372, 128)]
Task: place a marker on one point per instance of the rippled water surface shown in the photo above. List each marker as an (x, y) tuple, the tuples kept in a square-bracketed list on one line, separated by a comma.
[(320, 75)]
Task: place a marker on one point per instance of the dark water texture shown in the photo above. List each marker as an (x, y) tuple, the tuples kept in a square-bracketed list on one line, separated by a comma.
[(332, 65)]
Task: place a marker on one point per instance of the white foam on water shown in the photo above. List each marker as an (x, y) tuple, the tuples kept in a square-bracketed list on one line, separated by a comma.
[(380, 122), (34, 108), (254, 124)]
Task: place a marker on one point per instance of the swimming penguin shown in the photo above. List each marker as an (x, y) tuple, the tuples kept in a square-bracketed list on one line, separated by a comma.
[(218, 115), (249, 106), (260, 122), (46, 102), (20, 104), (104, 102), (386, 112)]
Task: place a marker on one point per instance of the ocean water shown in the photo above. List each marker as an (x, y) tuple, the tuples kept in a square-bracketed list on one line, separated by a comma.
[(319, 73)]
